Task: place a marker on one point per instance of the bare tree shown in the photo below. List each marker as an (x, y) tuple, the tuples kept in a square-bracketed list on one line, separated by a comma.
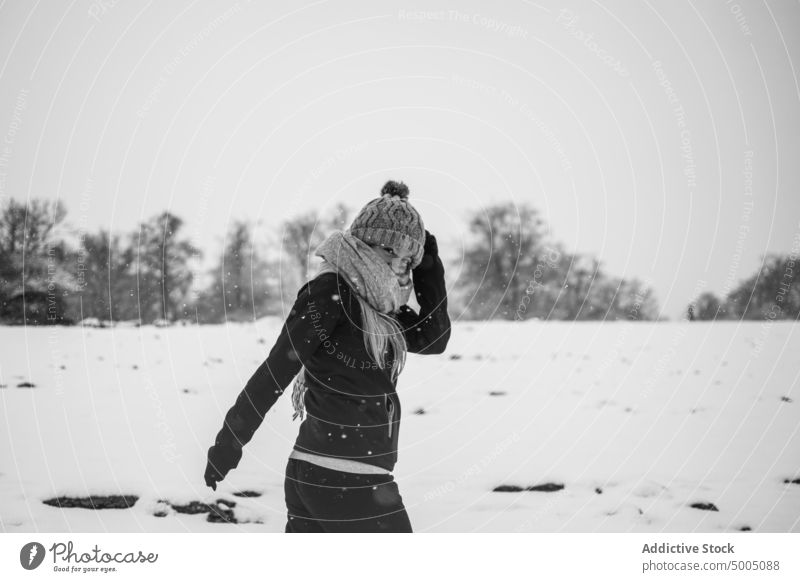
[(34, 282), (241, 285), (162, 267)]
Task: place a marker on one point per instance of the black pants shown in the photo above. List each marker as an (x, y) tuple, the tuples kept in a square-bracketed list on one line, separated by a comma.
[(319, 499)]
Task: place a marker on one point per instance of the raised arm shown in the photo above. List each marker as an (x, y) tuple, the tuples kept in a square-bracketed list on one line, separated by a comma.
[(429, 331), (316, 312)]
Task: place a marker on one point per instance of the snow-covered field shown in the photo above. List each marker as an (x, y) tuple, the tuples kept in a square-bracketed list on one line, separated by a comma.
[(637, 421)]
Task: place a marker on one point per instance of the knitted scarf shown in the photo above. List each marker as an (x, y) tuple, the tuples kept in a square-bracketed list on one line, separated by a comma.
[(368, 275)]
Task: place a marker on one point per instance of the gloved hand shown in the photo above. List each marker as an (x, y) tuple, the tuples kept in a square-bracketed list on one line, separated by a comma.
[(431, 251), (221, 459)]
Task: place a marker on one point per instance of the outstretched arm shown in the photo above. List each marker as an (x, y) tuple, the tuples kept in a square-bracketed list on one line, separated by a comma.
[(429, 331), (315, 314)]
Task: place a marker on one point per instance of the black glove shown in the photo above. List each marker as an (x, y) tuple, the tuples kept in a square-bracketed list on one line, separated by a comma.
[(431, 251), (221, 459)]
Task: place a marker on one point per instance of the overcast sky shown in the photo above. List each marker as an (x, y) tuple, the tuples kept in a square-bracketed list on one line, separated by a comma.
[(662, 137)]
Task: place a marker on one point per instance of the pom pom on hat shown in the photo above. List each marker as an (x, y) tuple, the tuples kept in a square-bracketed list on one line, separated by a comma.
[(392, 188)]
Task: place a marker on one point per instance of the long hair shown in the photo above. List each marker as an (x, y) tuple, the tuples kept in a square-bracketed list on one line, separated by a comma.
[(381, 330)]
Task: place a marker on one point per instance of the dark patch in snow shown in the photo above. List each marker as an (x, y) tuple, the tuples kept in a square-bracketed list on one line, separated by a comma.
[(94, 502), (220, 515), (192, 508), (3, 385), (135, 367), (598, 490), (497, 393), (261, 340), (795, 481), (26, 385), (247, 494), (745, 528), (786, 399), (507, 488), (547, 487), (455, 356), (704, 506), (477, 357), (219, 512), (63, 367), (417, 411)]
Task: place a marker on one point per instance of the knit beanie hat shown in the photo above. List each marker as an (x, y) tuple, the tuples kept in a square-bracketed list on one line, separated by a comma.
[(391, 220)]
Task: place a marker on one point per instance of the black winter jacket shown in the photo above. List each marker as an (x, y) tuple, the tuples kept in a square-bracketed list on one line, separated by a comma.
[(353, 410)]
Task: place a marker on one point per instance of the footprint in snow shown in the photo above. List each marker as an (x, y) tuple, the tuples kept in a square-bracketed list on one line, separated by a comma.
[(247, 493), (546, 487), (705, 506)]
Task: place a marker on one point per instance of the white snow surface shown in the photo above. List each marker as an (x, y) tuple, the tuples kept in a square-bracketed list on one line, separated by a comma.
[(636, 420)]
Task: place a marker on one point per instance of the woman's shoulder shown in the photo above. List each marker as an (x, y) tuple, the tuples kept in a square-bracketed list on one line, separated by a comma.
[(329, 282), (331, 288)]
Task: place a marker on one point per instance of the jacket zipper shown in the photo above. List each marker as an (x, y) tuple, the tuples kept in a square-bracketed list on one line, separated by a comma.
[(390, 406)]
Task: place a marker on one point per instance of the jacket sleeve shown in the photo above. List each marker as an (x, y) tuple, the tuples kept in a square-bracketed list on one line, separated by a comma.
[(429, 331), (315, 314)]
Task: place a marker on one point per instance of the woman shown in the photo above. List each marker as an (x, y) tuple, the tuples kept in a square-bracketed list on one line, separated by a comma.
[(345, 341)]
